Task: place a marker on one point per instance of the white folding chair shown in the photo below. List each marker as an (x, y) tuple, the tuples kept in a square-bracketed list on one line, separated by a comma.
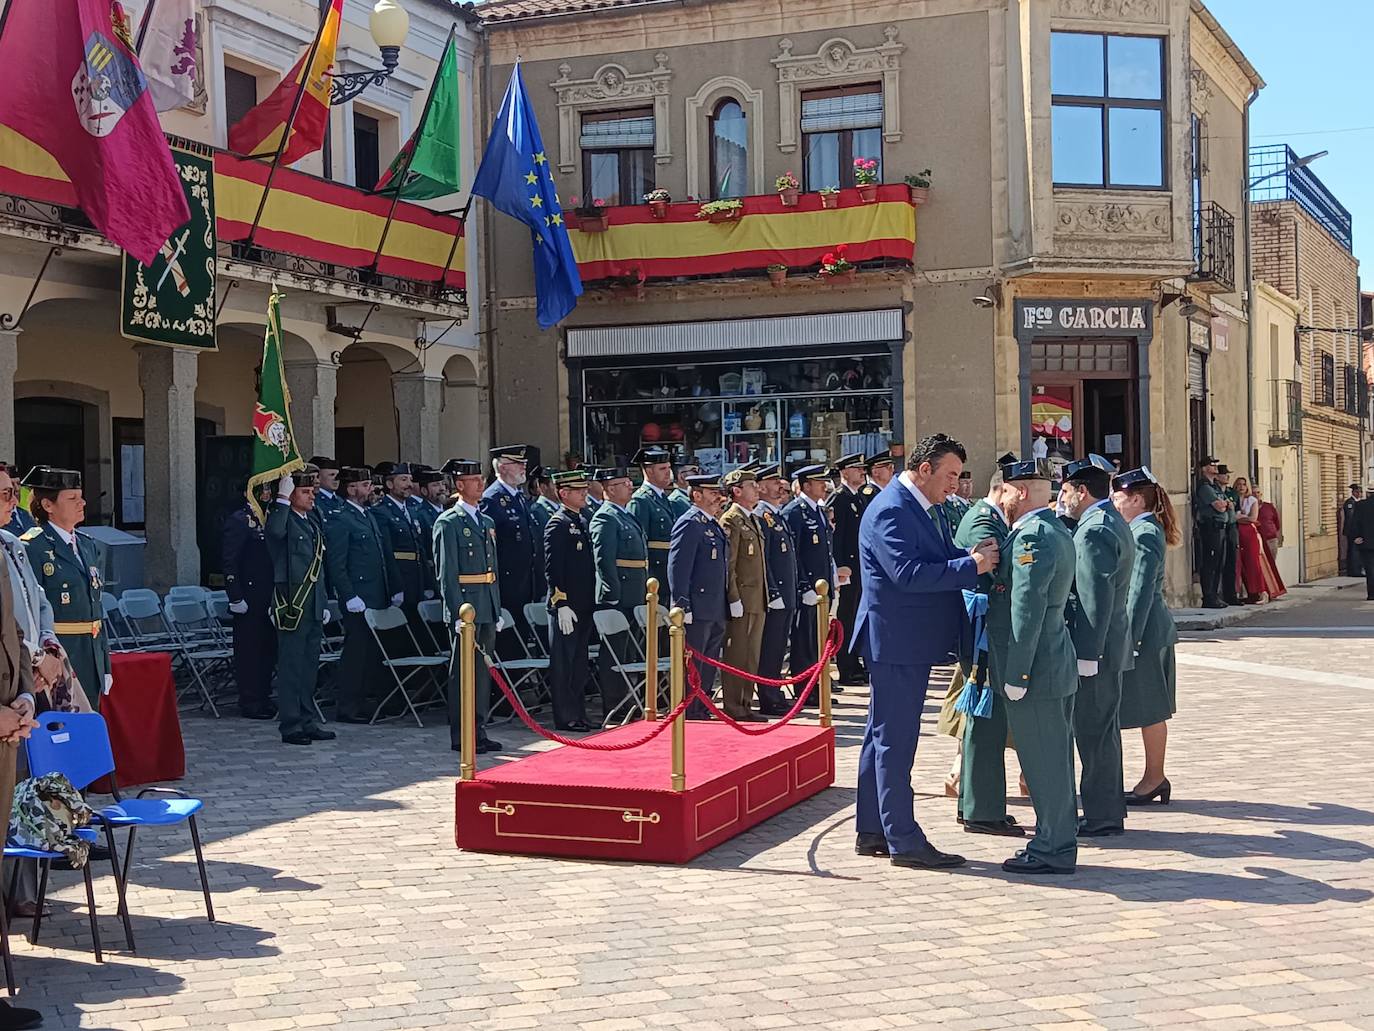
[(114, 629), (432, 615), (610, 624), (525, 672), (202, 650), (141, 610), (390, 620)]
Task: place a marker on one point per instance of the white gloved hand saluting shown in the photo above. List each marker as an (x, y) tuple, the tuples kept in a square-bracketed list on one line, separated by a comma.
[(736, 609), (355, 605), (1087, 667), (238, 608), (397, 598), (776, 603), (1014, 693), (285, 486), (567, 620), (810, 598)]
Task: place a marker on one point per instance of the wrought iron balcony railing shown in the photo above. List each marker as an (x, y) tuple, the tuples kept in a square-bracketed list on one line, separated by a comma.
[(1214, 248), (1286, 409)]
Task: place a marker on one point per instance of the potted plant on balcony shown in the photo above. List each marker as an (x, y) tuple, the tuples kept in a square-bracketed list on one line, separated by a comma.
[(658, 201), (835, 267), (629, 285), (777, 274), (830, 196), (920, 186), (788, 188), (721, 210), (591, 217), (866, 178)]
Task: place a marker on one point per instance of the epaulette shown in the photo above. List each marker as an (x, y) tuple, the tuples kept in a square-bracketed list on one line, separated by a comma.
[(29, 535)]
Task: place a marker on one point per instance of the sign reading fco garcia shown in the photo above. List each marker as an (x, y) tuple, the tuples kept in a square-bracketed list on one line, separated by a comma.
[(1050, 317), (172, 301)]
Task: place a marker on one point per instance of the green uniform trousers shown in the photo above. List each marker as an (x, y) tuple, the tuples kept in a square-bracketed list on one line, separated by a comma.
[(1097, 732), (486, 642), (1043, 729), (298, 665), (983, 779), (743, 641)]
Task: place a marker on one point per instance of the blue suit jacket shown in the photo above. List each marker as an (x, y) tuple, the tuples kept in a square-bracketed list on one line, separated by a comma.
[(912, 611)]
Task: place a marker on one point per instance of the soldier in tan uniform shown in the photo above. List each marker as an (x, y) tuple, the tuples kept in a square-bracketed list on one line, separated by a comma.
[(748, 590)]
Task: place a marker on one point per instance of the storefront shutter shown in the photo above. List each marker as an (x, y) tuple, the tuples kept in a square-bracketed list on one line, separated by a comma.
[(832, 113), (1197, 375), (605, 134)]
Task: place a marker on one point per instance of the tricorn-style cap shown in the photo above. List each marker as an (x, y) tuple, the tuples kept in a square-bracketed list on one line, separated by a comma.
[(45, 477), (1007, 459), (1030, 469), (1223, 470), (461, 467), (388, 469), (321, 462), (510, 452), (612, 472), (571, 479), (425, 477), (651, 456), (307, 477), (1074, 470), (1134, 478), (354, 474)]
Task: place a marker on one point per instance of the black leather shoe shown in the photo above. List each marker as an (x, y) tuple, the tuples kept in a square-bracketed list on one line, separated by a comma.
[(1164, 791), (16, 1018), (870, 845), (489, 744), (1099, 830), (316, 734), (1007, 828), (1025, 863), (259, 714), (352, 717), (775, 713), (576, 727), (754, 717), (297, 739), (926, 857)]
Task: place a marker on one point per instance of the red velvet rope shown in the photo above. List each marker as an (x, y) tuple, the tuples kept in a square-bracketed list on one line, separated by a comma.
[(833, 642)]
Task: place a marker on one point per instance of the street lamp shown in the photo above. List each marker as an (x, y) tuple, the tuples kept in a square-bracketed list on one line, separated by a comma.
[(389, 25), (1292, 166)]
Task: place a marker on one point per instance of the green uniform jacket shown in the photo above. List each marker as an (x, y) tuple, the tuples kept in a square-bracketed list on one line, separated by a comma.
[(622, 558), (1150, 624), (981, 521), (681, 501), (465, 559), (1204, 494), (541, 510), (1026, 631), (358, 557), (426, 515), (73, 588), (655, 514), (1105, 554), (294, 542)]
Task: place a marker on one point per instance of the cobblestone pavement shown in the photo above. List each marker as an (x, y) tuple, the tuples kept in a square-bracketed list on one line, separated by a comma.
[(342, 901)]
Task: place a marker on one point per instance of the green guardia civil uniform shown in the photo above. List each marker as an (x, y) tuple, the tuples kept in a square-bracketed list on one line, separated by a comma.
[(622, 570), (655, 513), (1148, 693), (1101, 632), (465, 563), (541, 511), (71, 579), (1030, 648), (681, 501), (983, 780), (297, 546)]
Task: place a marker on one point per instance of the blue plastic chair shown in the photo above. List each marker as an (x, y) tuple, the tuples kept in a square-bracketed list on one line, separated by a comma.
[(45, 860), (78, 745)]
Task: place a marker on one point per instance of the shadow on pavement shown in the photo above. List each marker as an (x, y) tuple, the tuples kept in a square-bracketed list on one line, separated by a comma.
[(1284, 844), (1313, 814)]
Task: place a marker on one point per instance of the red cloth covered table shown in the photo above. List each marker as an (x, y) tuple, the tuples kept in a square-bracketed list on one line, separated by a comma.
[(141, 714)]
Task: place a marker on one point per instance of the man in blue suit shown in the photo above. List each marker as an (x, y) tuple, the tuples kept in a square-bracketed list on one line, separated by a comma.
[(913, 575)]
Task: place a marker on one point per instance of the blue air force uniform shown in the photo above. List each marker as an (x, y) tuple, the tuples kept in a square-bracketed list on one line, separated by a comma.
[(519, 550), (810, 528), (247, 565), (698, 575)]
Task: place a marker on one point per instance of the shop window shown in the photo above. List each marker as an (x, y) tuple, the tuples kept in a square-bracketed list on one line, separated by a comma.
[(1112, 356), (366, 151), (839, 125), (1326, 382), (617, 155), (240, 94), (1108, 117), (729, 150)]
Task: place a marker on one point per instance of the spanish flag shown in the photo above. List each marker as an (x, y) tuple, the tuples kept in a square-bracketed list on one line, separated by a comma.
[(260, 130)]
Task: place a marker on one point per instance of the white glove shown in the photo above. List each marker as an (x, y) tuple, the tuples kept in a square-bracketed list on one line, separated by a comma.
[(736, 609), (285, 486), (397, 598), (109, 682), (327, 617), (686, 619), (1014, 693), (355, 605), (567, 619), (810, 598), (1087, 667), (777, 603), (238, 608), (1136, 654), (500, 623), (429, 595)]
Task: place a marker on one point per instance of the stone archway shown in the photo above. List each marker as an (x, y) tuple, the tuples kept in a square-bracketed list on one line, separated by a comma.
[(462, 424), (374, 409)]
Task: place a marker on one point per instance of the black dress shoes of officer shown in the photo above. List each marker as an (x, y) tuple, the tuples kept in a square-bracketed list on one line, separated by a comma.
[(1025, 863), (926, 857), (489, 744), (16, 1018), (316, 734), (871, 845), (1007, 828), (352, 717), (266, 713), (1099, 830), (576, 726), (297, 739)]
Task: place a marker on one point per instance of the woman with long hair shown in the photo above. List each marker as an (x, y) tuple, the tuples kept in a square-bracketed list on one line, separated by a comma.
[(1148, 694), (1257, 573)]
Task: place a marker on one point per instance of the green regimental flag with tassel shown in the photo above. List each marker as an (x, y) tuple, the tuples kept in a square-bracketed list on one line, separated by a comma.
[(274, 442)]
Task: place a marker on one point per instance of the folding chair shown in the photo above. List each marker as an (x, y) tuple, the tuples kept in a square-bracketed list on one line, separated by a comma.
[(331, 650), (194, 591), (610, 624), (664, 662), (432, 615), (141, 610), (77, 744), (525, 672), (116, 631), (392, 619), (202, 648)]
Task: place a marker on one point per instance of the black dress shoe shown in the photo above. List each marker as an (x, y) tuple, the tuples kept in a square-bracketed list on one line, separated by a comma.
[(870, 845), (259, 714), (576, 726), (774, 713), (926, 857), (1163, 791), (1099, 830), (16, 1018), (753, 717), (316, 734), (1007, 828), (1025, 863), (352, 717), (297, 739), (489, 744)]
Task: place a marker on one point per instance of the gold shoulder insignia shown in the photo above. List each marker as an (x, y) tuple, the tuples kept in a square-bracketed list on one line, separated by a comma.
[(1025, 558), (29, 535)]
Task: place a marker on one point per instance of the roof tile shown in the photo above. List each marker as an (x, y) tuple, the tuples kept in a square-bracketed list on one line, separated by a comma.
[(514, 10)]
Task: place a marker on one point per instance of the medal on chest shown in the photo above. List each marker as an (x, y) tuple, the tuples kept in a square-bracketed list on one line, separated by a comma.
[(815, 538), (66, 598)]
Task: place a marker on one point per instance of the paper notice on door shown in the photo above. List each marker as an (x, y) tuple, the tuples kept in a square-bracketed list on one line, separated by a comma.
[(1111, 443)]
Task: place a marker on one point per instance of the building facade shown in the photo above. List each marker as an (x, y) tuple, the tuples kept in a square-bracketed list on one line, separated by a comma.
[(1301, 237), (1278, 418), (1072, 282), (381, 357)]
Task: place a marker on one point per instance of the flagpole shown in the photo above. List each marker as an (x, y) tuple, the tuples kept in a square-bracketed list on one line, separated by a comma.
[(410, 158), (142, 27), (453, 249), (286, 130)]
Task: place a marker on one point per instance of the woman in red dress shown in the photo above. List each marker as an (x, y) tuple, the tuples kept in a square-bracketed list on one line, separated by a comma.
[(1257, 572)]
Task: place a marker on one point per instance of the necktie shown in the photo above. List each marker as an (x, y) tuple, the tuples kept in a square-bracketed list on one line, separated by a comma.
[(941, 522)]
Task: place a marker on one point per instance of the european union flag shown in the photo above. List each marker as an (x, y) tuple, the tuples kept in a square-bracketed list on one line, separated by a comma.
[(515, 177)]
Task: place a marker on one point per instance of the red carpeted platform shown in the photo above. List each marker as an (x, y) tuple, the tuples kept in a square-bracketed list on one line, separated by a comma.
[(618, 805)]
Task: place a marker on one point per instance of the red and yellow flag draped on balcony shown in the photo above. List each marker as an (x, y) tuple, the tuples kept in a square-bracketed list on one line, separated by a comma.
[(636, 244)]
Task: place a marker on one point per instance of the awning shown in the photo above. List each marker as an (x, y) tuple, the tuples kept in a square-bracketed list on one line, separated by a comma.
[(882, 326)]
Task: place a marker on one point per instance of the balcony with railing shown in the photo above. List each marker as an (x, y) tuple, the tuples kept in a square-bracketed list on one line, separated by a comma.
[(1285, 407), (1214, 249), (1274, 171)]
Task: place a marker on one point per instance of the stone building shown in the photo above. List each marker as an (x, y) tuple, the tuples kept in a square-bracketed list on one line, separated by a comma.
[(1277, 377), (1072, 283), (382, 362)]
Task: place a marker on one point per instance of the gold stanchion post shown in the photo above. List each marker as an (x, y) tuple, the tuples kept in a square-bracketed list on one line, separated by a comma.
[(651, 650), (467, 673), (822, 633), (677, 689)]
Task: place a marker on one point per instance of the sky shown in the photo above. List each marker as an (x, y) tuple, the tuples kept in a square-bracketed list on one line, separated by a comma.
[(1318, 71)]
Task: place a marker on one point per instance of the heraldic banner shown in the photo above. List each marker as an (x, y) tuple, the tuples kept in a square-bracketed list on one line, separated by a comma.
[(274, 443), (172, 301)]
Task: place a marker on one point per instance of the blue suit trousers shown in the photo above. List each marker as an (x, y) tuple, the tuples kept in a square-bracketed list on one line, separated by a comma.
[(707, 638), (886, 804)]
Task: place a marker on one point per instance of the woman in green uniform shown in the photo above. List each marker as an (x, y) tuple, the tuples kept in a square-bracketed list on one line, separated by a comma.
[(1148, 690)]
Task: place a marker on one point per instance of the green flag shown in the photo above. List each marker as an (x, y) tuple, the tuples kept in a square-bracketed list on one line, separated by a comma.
[(427, 166), (274, 443)]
